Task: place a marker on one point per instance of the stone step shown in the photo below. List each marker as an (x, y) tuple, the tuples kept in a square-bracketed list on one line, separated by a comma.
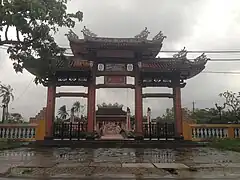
[(112, 137)]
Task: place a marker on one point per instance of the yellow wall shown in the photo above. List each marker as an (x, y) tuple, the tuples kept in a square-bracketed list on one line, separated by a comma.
[(40, 131), (187, 131)]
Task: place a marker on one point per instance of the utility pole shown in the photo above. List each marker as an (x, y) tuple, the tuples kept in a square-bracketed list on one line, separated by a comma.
[(193, 106)]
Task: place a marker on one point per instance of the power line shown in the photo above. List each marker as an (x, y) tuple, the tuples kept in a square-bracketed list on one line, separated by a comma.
[(192, 51), (205, 51), (221, 72), (169, 51), (24, 91)]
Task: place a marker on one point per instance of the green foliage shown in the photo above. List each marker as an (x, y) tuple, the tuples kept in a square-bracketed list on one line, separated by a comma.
[(227, 144), (168, 115), (203, 116), (62, 112), (10, 144), (35, 22), (232, 103), (6, 93)]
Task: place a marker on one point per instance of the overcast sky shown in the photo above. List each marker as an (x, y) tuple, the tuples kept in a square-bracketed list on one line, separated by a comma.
[(198, 25)]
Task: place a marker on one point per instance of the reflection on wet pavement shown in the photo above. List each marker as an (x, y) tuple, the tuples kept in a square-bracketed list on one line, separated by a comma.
[(194, 155), (46, 158)]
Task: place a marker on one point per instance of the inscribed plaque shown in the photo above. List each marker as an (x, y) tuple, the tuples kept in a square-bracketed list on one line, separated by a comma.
[(115, 80), (115, 67)]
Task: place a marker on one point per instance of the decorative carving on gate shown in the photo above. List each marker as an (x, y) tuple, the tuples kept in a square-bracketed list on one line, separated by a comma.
[(129, 67), (88, 35), (181, 55), (201, 59), (101, 67), (71, 35), (143, 34), (159, 37), (110, 105), (79, 63)]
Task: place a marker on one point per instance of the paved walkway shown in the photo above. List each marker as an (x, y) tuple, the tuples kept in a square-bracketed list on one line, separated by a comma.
[(66, 163), (125, 170)]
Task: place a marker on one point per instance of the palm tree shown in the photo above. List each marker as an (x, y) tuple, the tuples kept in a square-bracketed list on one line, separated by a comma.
[(76, 107), (62, 112), (72, 115), (6, 92)]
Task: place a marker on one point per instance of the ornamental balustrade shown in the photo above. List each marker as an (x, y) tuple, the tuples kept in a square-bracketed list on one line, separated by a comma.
[(201, 132), (25, 132)]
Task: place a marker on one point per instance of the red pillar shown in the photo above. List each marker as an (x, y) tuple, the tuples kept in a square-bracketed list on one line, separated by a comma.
[(138, 104), (177, 110), (91, 103), (50, 110)]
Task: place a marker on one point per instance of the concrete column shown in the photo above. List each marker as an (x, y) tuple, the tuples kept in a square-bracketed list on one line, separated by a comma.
[(50, 110)]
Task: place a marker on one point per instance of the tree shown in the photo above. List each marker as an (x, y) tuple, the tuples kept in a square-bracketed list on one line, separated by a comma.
[(77, 107), (232, 103), (6, 93), (15, 118), (35, 23), (62, 112), (168, 115), (204, 116)]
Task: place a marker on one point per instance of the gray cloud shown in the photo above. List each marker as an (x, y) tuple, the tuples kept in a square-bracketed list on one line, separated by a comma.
[(198, 25)]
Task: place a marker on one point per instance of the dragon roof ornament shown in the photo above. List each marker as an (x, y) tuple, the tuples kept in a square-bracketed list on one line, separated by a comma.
[(159, 37), (71, 35), (201, 59), (181, 55), (104, 105), (143, 34), (87, 33)]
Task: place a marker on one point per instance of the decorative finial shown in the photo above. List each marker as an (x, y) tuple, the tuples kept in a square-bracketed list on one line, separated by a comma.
[(181, 54), (110, 105), (143, 35), (71, 35), (159, 37), (87, 33), (201, 59)]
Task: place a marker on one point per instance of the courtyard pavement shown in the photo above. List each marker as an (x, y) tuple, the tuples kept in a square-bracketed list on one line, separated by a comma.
[(65, 163)]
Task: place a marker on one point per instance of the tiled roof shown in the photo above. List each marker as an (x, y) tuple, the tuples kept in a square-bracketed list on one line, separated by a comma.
[(110, 111)]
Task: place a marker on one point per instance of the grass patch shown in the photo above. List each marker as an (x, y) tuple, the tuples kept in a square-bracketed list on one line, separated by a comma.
[(10, 144), (226, 144)]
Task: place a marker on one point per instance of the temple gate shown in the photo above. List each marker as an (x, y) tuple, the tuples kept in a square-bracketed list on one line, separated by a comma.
[(115, 59)]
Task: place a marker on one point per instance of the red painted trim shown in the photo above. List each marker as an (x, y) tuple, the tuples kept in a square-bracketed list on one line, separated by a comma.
[(50, 111), (91, 107), (178, 110)]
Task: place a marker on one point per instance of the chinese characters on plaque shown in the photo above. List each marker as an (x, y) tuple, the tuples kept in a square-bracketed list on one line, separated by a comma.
[(110, 67)]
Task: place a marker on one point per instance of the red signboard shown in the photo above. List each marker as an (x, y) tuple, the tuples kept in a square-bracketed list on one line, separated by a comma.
[(115, 80)]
